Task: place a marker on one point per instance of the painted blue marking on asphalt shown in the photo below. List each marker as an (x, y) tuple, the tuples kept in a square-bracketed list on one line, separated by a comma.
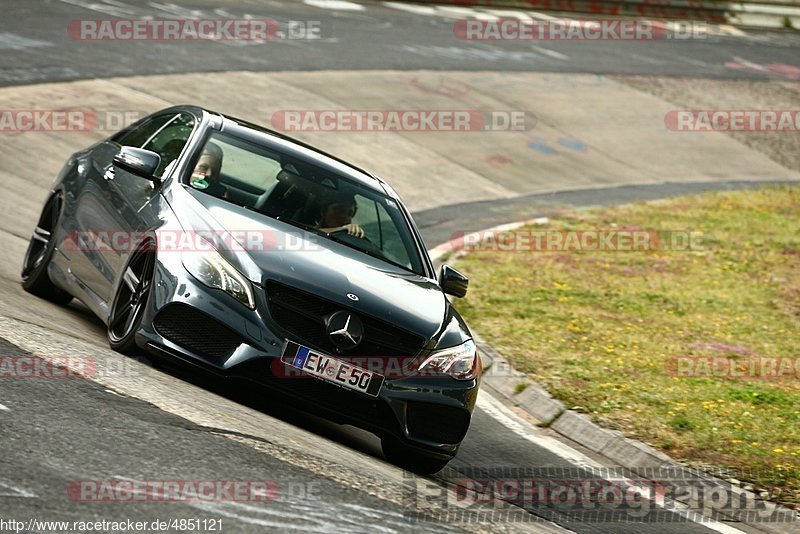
[(544, 149), (577, 145)]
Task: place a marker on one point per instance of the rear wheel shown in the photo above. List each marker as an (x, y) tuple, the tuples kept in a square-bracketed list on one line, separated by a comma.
[(411, 459), (40, 251), (131, 299)]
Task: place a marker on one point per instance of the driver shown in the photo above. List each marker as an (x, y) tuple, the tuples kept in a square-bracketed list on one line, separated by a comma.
[(336, 214)]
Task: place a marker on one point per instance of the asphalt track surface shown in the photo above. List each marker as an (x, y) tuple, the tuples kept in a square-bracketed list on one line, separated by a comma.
[(148, 423), (375, 37)]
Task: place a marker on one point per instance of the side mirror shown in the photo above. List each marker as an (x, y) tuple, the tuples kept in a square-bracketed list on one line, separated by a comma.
[(138, 161), (453, 282)]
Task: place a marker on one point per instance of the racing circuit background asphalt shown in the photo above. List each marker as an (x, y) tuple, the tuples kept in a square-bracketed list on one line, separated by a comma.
[(139, 422)]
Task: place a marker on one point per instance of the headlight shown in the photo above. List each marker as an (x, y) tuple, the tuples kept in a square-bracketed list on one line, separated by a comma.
[(458, 362), (210, 268)]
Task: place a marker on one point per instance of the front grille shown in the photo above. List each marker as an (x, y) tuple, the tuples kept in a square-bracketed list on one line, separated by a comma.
[(441, 424), (196, 331), (303, 315)]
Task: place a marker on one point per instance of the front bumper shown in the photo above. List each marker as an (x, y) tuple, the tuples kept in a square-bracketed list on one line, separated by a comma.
[(210, 329)]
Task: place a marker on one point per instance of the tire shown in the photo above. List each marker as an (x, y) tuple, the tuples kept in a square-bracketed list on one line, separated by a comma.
[(35, 279), (411, 459), (131, 299)]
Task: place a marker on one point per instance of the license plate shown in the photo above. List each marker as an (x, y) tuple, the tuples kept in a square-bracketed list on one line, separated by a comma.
[(330, 369)]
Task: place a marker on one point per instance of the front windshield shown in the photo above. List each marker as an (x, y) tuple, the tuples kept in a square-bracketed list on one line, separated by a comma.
[(307, 196)]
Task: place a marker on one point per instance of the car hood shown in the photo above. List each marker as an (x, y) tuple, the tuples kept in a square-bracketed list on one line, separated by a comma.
[(310, 262)]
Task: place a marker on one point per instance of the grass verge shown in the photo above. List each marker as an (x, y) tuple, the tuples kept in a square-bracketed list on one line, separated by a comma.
[(654, 342)]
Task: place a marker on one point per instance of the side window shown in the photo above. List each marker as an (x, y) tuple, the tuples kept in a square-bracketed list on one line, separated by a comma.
[(169, 139), (379, 227), (391, 241), (238, 171), (141, 134)]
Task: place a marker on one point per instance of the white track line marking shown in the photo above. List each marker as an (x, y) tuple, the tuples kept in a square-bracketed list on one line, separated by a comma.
[(411, 8), (14, 491), (4, 408), (542, 16), (682, 28), (11, 41), (484, 16), (109, 7), (515, 424), (551, 53), (693, 61), (647, 59), (565, 21), (178, 11), (341, 5), (508, 14), (455, 12), (456, 9), (731, 30), (749, 64)]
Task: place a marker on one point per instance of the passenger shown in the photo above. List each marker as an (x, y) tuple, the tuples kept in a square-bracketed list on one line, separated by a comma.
[(206, 173)]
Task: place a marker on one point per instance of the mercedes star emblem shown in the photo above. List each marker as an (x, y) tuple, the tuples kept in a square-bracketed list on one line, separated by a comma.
[(345, 330)]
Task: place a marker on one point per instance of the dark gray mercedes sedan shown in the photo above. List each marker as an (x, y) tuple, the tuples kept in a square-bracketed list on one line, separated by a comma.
[(205, 238)]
